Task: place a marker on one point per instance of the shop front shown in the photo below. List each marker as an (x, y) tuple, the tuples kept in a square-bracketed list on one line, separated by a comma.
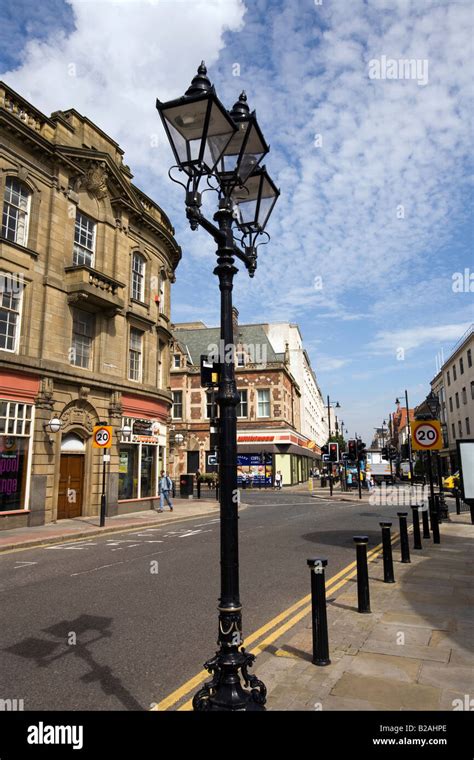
[(17, 419), (141, 453), (261, 455)]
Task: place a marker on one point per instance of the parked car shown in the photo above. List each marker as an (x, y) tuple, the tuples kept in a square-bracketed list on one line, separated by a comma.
[(451, 482)]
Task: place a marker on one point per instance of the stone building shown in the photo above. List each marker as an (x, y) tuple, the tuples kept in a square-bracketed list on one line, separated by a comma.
[(268, 416), (86, 264)]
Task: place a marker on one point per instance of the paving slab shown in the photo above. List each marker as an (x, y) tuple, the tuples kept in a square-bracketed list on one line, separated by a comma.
[(391, 693)]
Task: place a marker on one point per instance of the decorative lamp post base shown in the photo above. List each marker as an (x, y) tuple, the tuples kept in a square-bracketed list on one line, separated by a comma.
[(225, 692)]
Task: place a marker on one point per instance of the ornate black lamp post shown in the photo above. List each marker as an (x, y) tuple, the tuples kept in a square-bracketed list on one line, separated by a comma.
[(225, 149)]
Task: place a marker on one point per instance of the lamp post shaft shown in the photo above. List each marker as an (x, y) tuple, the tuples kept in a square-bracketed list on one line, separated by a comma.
[(225, 691)]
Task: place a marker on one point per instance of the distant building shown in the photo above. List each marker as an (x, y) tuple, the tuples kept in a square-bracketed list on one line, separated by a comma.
[(269, 435), (454, 386)]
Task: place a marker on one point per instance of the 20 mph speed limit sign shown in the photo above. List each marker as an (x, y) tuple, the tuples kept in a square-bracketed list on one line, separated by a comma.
[(426, 435), (102, 437)]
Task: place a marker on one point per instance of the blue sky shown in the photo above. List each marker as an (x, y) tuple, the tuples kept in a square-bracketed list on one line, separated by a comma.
[(375, 175)]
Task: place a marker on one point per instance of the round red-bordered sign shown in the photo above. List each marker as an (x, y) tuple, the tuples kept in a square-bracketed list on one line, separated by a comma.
[(426, 435)]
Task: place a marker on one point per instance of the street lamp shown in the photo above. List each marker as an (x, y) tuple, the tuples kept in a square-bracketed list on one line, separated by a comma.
[(225, 148), (410, 452), (433, 404)]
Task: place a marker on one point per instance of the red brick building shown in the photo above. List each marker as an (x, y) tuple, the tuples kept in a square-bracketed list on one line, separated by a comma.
[(268, 437)]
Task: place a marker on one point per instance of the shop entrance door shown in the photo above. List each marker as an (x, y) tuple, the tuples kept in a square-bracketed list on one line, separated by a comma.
[(71, 482), (193, 461)]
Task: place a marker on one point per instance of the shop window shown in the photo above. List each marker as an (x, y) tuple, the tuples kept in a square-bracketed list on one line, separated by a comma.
[(15, 430), (177, 409), (16, 207), (128, 472), (454, 372), (242, 407), (135, 354), (138, 277), (84, 241), (83, 325), (263, 402), (11, 297)]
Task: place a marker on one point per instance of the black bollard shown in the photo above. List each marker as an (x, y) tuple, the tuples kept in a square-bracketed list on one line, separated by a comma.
[(426, 524), (458, 502), (404, 546), (363, 596), (318, 608), (198, 487), (388, 576), (416, 528), (435, 527)]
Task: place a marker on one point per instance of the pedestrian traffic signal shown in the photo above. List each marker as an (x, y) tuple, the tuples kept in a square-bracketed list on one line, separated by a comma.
[(384, 453), (325, 449), (334, 452), (352, 449)]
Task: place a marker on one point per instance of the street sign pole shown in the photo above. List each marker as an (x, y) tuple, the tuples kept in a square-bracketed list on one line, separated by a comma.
[(358, 479), (103, 499)]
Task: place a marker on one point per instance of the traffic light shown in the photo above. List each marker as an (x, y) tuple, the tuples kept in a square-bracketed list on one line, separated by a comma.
[(361, 452), (334, 452), (325, 449), (405, 451), (384, 453), (392, 452), (352, 452)]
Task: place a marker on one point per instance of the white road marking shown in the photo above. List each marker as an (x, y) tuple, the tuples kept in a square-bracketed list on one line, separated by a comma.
[(193, 533), (111, 564), (23, 564), (199, 525)]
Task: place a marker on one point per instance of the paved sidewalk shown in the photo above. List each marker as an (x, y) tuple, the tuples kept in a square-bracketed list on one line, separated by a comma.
[(414, 652), (84, 527)]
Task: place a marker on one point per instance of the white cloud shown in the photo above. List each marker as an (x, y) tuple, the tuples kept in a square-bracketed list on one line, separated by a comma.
[(387, 341)]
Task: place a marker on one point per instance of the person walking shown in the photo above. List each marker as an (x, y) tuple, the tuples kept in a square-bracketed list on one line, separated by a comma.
[(278, 480), (165, 485)]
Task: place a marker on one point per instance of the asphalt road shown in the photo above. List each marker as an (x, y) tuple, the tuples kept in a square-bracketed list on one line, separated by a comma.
[(91, 625)]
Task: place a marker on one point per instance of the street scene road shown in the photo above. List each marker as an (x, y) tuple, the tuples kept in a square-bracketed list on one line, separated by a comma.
[(137, 634)]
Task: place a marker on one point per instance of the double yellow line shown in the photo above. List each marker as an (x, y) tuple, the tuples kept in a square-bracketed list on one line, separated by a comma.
[(281, 623)]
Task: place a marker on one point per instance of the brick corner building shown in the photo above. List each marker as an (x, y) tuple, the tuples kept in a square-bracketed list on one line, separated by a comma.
[(86, 264), (280, 418)]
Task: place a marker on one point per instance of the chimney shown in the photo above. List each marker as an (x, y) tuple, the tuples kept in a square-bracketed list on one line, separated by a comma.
[(235, 323)]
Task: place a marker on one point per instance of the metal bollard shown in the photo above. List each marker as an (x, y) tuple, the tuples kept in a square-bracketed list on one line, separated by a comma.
[(388, 576), (458, 502), (416, 528), (198, 488), (318, 609), (363, 595), (426, 524), (404, 545), (435, 527)]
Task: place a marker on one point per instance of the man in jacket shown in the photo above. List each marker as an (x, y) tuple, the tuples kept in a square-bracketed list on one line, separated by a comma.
[(165, 485)]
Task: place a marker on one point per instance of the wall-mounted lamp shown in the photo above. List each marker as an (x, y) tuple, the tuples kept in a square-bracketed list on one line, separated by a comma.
[(53, 426)]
